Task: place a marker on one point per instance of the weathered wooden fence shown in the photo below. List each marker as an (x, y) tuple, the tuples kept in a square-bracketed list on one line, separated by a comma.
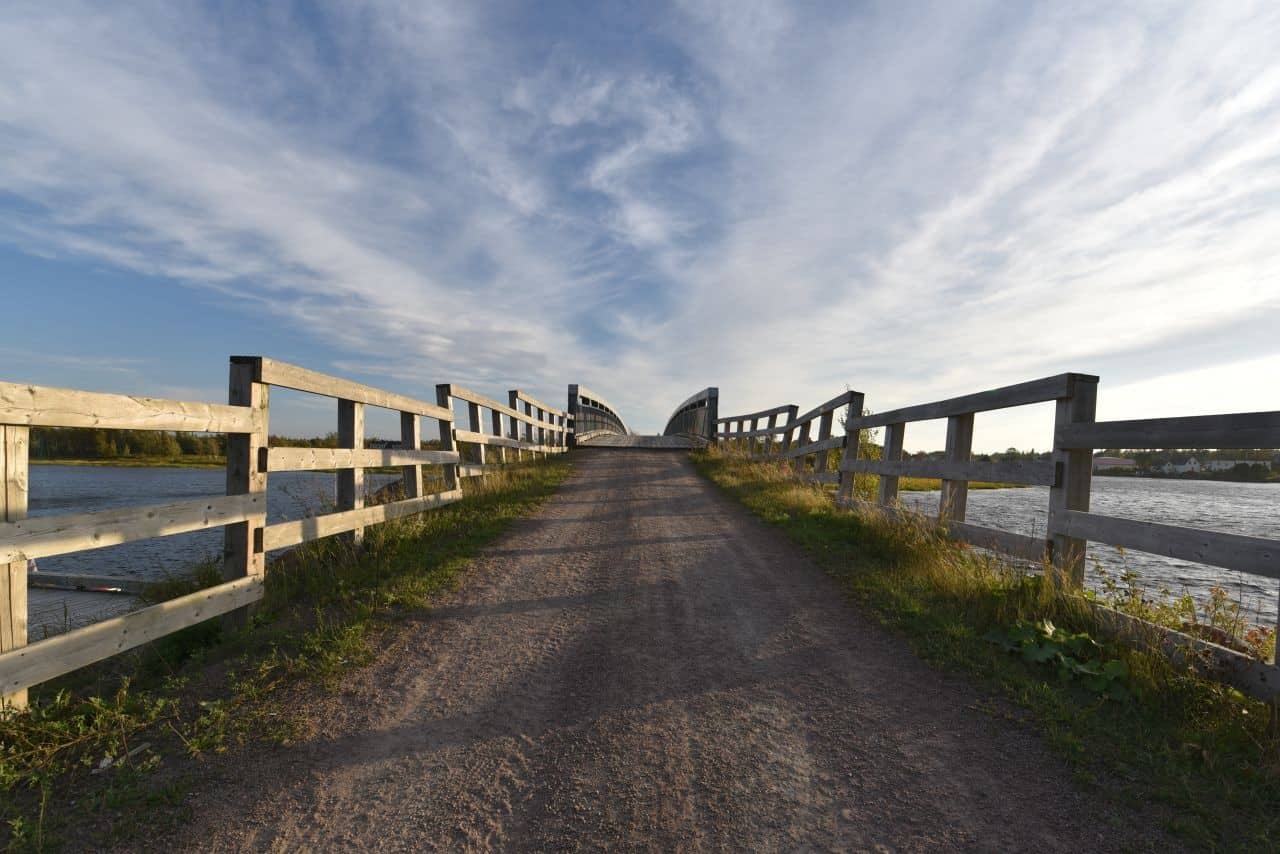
[(526, 426), (1067, 473)]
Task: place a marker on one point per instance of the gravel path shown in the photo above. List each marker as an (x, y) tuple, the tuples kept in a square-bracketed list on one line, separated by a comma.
[(643, 665)]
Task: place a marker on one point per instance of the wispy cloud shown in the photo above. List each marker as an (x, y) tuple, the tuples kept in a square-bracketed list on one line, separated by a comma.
[(914, 202)]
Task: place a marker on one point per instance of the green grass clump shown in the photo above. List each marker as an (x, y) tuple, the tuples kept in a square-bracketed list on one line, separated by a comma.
[(1139, 727), (85, 751)]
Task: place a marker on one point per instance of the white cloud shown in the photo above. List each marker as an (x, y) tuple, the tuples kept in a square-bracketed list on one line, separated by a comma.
[(776, 199)]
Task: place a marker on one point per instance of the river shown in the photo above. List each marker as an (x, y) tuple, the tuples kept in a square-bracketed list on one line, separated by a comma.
[(58, 489), (1237, 508), (1242, 508)]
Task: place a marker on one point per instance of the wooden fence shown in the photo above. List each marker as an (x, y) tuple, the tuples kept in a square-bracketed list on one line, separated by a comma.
[(1067, 473), (525, 426)]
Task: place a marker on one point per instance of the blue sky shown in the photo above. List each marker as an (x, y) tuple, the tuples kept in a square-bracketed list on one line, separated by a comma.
[(782, 199)]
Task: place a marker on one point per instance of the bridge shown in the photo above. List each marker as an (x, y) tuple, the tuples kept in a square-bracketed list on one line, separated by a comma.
[(640, 663)]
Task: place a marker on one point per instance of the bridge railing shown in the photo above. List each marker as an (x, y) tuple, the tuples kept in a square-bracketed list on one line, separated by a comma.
[(1067, 473), (592, 415), (529, 427), (697, 417), (495, 430)]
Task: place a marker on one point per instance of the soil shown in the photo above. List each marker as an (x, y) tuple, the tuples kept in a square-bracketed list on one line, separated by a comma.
[(643, 665)]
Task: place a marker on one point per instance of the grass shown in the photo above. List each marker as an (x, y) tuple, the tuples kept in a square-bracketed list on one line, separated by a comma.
[(1134, 726), (102, 751), (925, 484)]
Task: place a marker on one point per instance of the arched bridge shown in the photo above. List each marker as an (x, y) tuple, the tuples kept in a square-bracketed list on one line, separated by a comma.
[(598, 425), (638, 662)]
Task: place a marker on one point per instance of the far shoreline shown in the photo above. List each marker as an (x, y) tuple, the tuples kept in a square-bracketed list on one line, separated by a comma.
[(138, 462)]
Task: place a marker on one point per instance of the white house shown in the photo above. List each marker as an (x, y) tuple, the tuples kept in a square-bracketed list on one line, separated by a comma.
[(1191, 466)]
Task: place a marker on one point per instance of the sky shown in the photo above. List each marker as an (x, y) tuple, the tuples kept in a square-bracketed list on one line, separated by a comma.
[(784, 200)]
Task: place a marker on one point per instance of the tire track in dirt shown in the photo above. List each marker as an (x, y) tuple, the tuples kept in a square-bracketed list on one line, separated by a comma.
[(643, 665)]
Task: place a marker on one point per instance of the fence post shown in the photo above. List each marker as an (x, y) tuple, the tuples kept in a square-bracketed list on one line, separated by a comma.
[(1073, 475), (894, 434), (473, 424), (852, 443), (495, 428), (954, 500), (790, 424), (448, 442), (824, 433), (771, 439), (411, 440), (13, 582), (797, 462), (518, 427), (246, 474), (351, 480), (751, 440)]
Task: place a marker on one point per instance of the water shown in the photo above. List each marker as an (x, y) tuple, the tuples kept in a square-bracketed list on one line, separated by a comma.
[(1242, 508), (57, 489), (1238, 508)]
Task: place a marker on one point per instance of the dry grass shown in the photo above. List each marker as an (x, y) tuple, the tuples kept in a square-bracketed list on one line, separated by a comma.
[(1202, 751)]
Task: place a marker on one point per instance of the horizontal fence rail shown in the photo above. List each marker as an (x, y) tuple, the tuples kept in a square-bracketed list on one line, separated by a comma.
[(508, 431), (793, 439)]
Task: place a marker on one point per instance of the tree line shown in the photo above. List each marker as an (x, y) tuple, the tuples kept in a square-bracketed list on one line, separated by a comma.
[(91, 443)]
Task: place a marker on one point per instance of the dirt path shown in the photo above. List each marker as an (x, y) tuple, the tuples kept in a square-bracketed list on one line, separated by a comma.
[(642, 665)]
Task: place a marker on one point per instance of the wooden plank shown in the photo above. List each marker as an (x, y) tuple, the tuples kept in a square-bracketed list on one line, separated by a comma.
[(1021, 546), (495, 431), (801, 450), (1021, 394), (42, 661), (350, 494), (46, 536), (486, 439), (1254, 555), (1234, 430), (785, 408), (825, 422), (473, 470), (1071, 489), (840, 401), (325, 459), (1032, 472), (852, 445), (954, 499), (285, 534), (1248, 675), (302, 379), (242, 554), (530, 399), (489, 403), (449, 438), (14, 493), (473, 425), (43, 406), (887, 491), (411, 443)]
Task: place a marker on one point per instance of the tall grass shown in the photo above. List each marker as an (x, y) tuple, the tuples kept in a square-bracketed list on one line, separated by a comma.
[(1134, 724)]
